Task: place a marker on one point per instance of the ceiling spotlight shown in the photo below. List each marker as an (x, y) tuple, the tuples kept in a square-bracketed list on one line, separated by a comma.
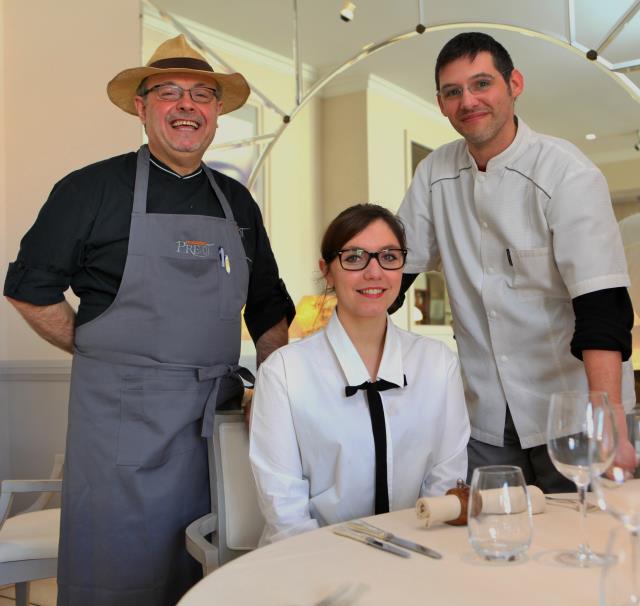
[(347, 11), (590, 137)]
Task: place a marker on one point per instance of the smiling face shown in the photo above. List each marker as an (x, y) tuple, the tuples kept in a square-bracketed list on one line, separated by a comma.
[(485, 118), (367, 293), (179, 132)]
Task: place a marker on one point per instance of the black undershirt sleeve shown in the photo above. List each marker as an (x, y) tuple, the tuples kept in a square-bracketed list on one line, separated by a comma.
[(604, 319), (407, 281), (267, 299)]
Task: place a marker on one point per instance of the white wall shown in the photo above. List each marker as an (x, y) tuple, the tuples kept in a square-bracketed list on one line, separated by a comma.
[(394, 118), (57, 60), (4, 412), (345, 162)]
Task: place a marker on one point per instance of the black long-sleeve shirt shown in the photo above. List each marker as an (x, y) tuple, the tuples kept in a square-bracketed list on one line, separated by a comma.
[(81, 235)]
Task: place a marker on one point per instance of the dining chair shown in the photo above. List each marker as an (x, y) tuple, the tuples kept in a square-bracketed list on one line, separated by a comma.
[(235, 523), (29, 540)]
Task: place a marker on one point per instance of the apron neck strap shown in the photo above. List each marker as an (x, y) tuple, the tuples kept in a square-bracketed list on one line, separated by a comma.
[(228, 215), (141, 182)]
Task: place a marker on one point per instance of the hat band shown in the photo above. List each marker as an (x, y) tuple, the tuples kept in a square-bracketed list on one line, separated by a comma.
[(183, 63)]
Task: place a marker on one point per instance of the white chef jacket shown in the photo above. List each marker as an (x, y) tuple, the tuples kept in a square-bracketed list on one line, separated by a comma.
[(516, 243), (312, 448)]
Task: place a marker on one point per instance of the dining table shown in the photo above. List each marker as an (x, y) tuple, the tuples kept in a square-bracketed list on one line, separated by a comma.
[(323, 568)]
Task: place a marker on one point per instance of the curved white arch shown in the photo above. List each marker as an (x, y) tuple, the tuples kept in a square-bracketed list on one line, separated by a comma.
[(613, 71), (369, 50)]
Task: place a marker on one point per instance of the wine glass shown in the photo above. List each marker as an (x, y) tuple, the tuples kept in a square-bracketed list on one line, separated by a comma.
[(575, 417), (618, 492), (499, 514)]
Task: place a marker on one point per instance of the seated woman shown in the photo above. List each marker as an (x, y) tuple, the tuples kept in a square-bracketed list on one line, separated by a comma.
[(361, 417)]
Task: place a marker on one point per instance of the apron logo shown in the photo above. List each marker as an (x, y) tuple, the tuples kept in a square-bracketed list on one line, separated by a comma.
[(195, 248)]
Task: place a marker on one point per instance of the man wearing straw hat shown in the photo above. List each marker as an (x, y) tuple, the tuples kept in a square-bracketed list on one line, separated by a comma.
[(163, 253)]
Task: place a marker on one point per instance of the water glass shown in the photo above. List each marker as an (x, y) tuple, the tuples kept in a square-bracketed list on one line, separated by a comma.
[(618, 581), (499, 516), (618, 492)]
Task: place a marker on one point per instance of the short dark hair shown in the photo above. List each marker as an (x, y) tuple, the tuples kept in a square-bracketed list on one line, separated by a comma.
[(351, 222), (469, 44)]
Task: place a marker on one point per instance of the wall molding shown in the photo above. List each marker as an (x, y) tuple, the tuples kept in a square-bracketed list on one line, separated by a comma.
[(354, 83), (404, 97), (614, 156), (35, 370), (346, 85), (221, 42)]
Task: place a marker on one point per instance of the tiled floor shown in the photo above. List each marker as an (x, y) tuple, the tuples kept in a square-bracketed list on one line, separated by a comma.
[(43, 593)]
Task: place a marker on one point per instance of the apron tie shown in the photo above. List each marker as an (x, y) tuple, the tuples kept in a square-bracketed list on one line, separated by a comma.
[(217, 373)]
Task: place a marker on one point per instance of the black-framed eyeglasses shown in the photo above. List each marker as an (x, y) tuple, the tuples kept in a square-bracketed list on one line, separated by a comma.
[(173, 92), (356, 259)]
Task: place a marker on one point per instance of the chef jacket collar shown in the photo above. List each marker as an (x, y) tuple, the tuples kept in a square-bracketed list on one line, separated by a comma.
[(163, 167), (509, 155)]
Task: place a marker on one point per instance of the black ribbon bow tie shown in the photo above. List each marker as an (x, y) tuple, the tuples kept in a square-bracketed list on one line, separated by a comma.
[(376, 413)]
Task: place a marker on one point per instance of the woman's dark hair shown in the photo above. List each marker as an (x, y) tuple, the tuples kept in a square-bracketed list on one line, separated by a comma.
[(469, 44), (351, 222)]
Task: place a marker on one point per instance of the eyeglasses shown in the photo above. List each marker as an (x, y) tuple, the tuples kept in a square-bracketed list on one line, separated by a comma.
[(477, 87), (356, 259), (173, 92)]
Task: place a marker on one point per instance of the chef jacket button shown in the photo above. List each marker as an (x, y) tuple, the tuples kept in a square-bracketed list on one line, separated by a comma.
[(503, 358), (493, 314)]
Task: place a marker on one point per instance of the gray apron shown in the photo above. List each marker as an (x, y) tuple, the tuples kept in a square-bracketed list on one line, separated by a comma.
[(147, 376)]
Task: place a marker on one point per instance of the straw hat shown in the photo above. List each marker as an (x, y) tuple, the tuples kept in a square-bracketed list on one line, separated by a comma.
[(176, 56)]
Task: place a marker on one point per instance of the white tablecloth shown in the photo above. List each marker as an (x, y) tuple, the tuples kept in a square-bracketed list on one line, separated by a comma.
[(303, 569)]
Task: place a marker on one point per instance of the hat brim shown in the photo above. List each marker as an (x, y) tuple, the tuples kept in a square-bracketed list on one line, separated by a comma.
[(122, 89)]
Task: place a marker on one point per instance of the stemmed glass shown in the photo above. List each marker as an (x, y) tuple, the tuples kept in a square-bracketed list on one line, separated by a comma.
[(574, 418), (618, 492)]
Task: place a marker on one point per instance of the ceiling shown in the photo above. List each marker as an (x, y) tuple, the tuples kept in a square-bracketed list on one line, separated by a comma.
[(565, 94)]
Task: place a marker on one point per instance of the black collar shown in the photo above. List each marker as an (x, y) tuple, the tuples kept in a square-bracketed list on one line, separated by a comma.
[(163, 167)]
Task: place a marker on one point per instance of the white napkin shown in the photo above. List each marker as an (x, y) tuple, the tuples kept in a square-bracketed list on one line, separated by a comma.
[(434, 510)]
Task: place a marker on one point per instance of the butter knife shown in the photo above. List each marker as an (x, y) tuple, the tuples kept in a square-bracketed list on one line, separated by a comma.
[(378, 533), (369, 540)]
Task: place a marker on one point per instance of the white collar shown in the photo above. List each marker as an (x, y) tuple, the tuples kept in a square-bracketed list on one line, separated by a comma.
[(508, 155), (355, 372)]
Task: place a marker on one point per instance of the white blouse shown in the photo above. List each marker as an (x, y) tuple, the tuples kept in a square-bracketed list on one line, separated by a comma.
[(312, 449)]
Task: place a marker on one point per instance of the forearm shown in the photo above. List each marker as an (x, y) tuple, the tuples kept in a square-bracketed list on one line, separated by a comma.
[(54, 323), (604, 373), (272, 339)]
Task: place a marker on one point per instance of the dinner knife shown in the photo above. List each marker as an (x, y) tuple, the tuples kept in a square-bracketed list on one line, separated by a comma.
[(378, 533), (371, 541)]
